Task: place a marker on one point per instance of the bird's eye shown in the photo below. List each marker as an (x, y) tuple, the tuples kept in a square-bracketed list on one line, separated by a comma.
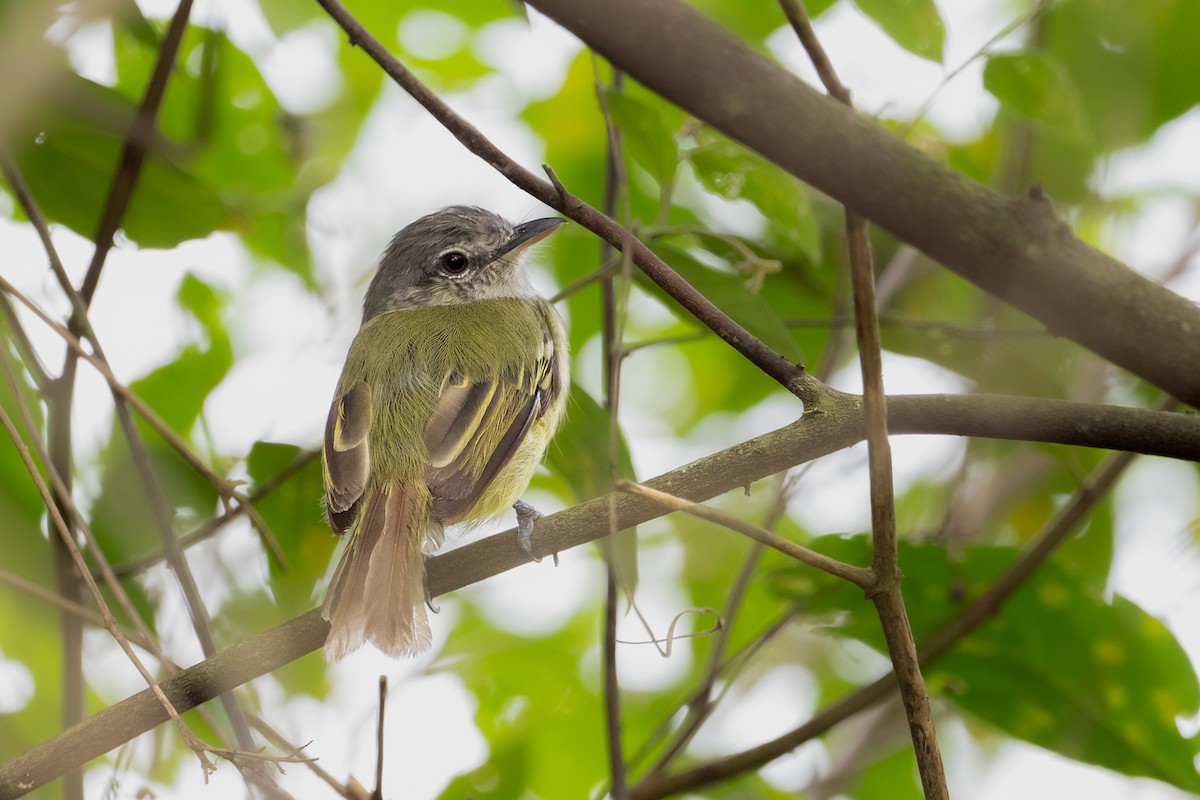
[(454, 262)]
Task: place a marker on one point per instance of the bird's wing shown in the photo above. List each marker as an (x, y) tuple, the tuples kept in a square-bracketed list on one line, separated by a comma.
[(477, 425), (346, 455)]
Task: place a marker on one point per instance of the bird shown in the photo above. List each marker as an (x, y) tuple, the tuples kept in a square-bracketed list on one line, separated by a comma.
[(449, 396)]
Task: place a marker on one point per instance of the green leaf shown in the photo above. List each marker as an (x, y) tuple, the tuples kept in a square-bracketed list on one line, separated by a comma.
[(228, 129), (69, 159), (579, 455), (1037, 87), (731, 171), (1060, 666), (915, 25), (292, 510), (531, 705), (893, 777), (645, 135), (754, 22), (285, 16), (177, 390), (729, 293)]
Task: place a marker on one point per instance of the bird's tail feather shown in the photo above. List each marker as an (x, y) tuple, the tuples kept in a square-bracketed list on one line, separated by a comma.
[(378, 589)]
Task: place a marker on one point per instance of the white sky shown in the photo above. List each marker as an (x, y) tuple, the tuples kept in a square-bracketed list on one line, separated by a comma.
[(290, 347)]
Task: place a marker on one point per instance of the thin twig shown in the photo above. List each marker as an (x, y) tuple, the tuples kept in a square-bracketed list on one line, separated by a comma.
[(885, 589), (554, 194), (984, 50), (123, 393), (29, 354), (701, 706), (859, 576), (1053, 534), (949, 329), (279, 740), (110, 622), (614, 186), (379, 758)]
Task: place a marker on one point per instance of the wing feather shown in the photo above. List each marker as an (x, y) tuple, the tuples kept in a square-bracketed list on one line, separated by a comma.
[(347, 456), (456, 418), (493, 418)]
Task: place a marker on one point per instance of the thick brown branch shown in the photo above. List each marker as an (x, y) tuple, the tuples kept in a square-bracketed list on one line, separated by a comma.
[(1017, 249)]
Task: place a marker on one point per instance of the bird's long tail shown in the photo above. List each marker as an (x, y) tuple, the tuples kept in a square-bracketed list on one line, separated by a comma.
[(378, 589)]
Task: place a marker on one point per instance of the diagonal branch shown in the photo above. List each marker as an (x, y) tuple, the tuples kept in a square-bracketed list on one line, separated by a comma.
[(555, 195), (1054, 533), (122, 393), (808, 438), (133, 151), (1015, 248), (859, 576)]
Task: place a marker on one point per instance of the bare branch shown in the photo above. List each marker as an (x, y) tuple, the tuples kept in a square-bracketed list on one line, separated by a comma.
[(838, 426), (555, 195), (859, 576), (884, 591), (1014, 248), (1053, 534)]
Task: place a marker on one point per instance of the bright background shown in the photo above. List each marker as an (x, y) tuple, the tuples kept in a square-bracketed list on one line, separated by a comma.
[(289, 342)]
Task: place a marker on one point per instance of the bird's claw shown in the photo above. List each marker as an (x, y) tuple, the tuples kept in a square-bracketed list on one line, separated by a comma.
[(526, 516), (425, 585)]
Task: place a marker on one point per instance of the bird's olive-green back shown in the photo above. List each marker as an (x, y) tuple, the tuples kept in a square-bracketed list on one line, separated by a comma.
[(405, 355)]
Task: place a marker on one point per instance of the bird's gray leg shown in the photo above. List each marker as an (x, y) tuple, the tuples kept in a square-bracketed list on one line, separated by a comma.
[(526, 516)]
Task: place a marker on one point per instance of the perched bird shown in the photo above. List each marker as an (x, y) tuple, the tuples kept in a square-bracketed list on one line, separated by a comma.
[(451, 391)]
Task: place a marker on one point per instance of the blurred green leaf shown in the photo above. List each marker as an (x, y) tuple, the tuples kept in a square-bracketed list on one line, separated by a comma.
[(754, 22), (731, 171), (729, 293), (533, 703), (645, 136), (226, 127), (69, 159), (293, 512), (579, 451), (177, 390), (893, 777), (1039, 88), (1134, 65), (285, 16), (1060, 666), (915, 25), (579, 454)]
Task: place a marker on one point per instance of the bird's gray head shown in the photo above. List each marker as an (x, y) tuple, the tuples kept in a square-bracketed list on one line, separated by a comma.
[(461, 254)]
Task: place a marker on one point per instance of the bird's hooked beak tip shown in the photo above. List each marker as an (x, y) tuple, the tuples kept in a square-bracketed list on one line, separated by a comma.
[(530, 233)]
